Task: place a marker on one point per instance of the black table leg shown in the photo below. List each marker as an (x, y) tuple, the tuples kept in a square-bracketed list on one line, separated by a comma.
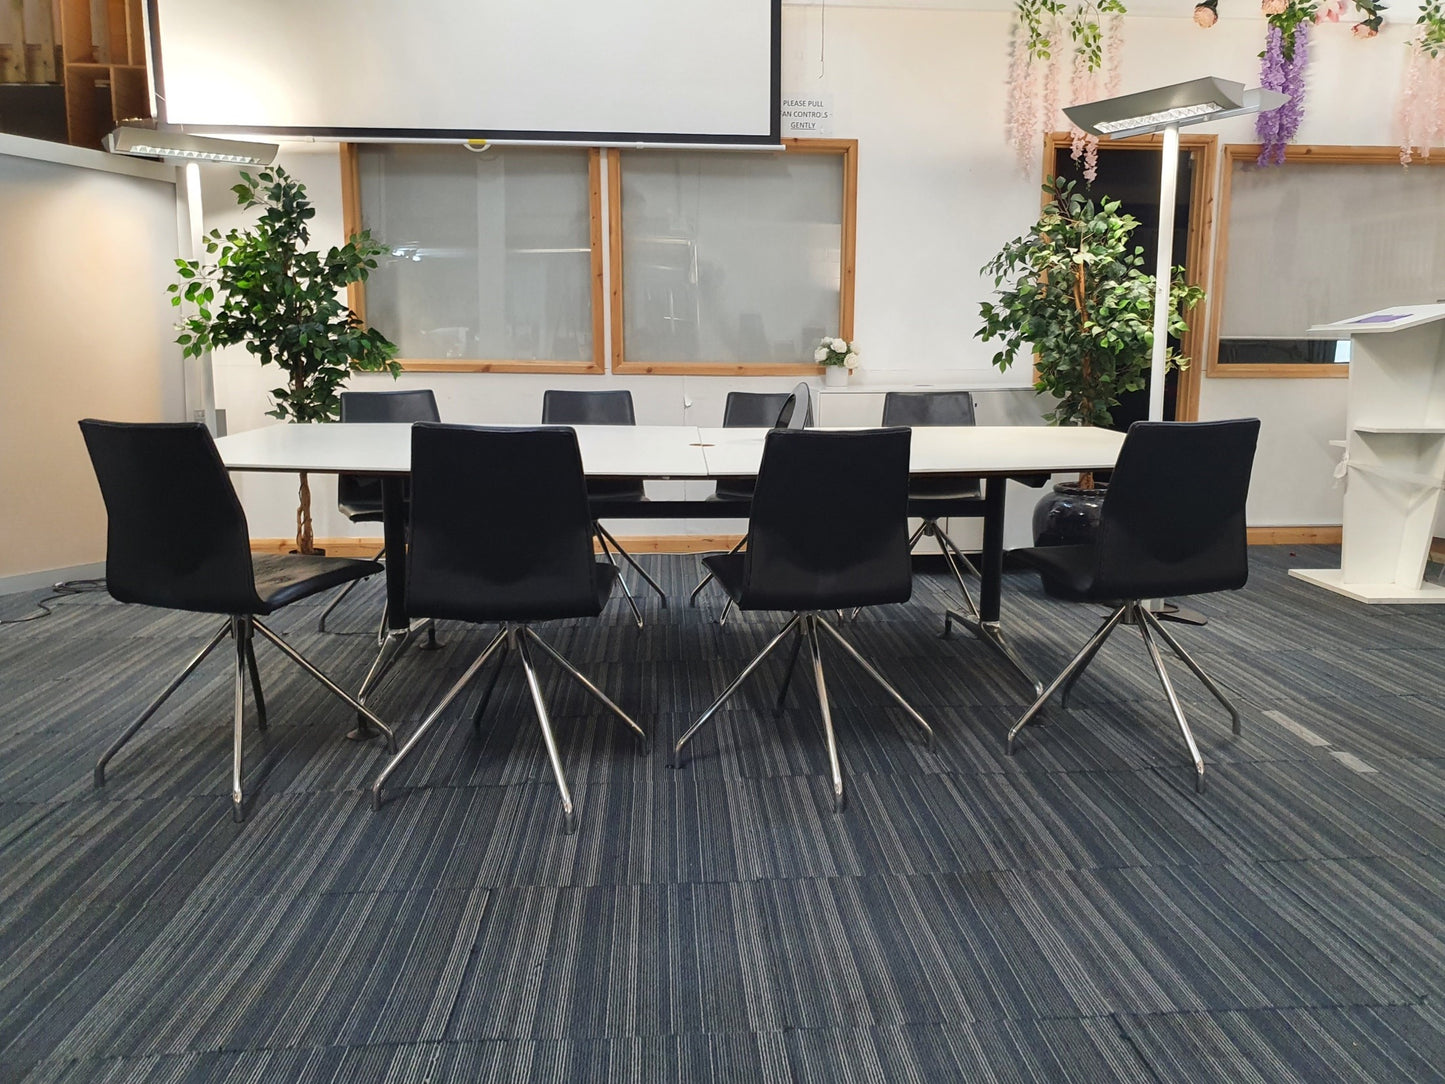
[(990, 599)]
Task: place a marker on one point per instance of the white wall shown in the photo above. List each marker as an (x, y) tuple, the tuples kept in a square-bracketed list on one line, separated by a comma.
[(88, 243), (939, 192)]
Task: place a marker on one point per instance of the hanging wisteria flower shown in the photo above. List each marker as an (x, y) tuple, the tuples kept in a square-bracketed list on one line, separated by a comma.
[(1282, 68), (833, 351), (1421, 112)]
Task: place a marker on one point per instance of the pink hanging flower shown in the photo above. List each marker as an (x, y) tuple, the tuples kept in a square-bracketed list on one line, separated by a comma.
[(1273, 7), (1329, 11), (1363, 30), (1206, 14)]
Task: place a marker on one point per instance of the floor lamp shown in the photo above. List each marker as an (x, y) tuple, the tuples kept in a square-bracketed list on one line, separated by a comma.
[(1167, 109), (148, 139)]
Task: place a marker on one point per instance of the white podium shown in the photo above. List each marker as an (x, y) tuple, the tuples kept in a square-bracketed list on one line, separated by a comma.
[(1394, 461)]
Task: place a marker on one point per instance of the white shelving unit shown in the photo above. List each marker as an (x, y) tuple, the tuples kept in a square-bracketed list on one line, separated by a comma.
[(1394, 454)]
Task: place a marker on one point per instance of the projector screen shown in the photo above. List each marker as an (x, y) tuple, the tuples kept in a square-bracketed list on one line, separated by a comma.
[(669, 71)]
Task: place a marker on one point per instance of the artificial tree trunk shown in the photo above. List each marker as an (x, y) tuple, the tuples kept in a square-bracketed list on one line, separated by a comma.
[(305, 540)]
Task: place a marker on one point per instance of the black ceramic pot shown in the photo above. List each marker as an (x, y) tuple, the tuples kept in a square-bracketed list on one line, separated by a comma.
[(1069, 516)]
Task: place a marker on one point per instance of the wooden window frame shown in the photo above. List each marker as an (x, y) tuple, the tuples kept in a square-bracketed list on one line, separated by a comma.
[(356, 292), (1319, 153), (1205, 149), (847, 149)]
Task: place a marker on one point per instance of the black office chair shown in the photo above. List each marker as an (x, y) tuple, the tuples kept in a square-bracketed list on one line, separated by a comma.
[(611, 496), (177, 538), (935, 497), (1172, 524), (828, 530), (512, 546), (755, 410), (359, 495)]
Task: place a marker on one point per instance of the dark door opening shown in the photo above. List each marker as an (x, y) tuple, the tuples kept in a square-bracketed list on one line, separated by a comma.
[(1131, 175)]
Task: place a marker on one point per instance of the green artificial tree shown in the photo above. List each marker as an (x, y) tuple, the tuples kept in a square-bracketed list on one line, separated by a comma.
[(267, 290), (1072, 292)]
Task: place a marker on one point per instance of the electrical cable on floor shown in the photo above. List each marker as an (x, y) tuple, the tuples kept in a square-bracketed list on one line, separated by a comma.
[(59, 591)]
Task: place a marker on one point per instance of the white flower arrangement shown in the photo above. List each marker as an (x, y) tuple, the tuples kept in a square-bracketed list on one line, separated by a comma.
[(832, 351)]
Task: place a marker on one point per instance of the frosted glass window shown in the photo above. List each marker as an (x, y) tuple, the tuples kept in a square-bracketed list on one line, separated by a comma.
[(489, 255), (730, 258), (1314, 242)]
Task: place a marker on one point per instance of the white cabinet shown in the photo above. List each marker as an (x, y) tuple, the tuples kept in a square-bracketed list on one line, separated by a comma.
[(1394, 454)]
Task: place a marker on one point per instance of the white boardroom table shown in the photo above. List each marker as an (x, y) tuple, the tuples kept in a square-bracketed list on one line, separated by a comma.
[(995, 453)]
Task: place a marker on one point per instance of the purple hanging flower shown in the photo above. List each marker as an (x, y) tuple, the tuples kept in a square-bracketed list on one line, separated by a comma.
[(1282, 68)]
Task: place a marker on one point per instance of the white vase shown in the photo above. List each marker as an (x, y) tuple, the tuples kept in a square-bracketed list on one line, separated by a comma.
[(835, 376)]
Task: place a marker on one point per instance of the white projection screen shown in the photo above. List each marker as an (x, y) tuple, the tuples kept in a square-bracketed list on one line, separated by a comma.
[(667, 71)]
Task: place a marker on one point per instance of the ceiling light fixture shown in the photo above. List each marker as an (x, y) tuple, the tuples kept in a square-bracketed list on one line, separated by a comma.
[(146, 139)]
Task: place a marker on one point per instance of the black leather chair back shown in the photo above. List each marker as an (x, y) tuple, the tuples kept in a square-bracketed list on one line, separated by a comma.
[(359, 495), (500, 528), (828, 527), (921, 408), (595, 408), (1173, 517), (177, 536), (588, 408), (762, 410), (756, 410), (928, 408)]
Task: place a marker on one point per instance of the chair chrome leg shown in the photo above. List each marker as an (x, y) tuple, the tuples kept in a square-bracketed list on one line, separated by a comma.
[(990, 633), (1204, 678), (154, 706), (815, 652), (582, 680), (1174, 704), (392, 645), (732, 688), (568, 811), (631, 560), (1085, 653), (431, 718), (336, 690), (869, 669), (621, 580), (492, 682), (954, 556), (256, 684), (722, 618), (241, 633), (350, 587), (788, 676), (1079, 670), (692, 598)]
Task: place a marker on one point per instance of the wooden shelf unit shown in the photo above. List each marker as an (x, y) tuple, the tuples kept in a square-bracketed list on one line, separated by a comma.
[(104, 73)]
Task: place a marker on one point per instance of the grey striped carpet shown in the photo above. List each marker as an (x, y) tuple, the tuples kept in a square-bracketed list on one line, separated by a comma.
[(1074, 912)]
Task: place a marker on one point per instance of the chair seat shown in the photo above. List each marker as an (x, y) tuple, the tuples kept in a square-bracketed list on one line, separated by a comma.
[(533, 605), (945, 487), (282, 578), (1067, 571), (734, 489), (814, 592), (361, 511), (618, 489)]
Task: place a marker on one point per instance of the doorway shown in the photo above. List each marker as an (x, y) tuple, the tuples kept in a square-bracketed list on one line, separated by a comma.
[(1129, 172)]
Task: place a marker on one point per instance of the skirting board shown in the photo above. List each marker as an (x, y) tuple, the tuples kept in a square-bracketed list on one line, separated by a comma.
[(35, 581), (367, 547), (714, 543), (1332, 579)]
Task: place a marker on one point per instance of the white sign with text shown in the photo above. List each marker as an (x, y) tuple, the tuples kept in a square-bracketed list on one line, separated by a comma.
[(807, 115)]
